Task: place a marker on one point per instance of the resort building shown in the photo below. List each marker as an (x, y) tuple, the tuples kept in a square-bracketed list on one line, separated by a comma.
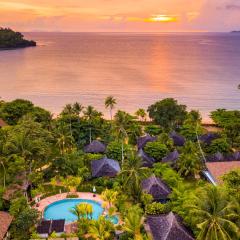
[(171, 158), (157, 188), (46, 227), (167, 227), (95, 147), (142, 141), (178, 140), (105, 167), (208, 138), (5, 222), (147, 161)]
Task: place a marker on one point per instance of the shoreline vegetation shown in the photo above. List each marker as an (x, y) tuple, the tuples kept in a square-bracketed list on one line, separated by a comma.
[(10, 40)]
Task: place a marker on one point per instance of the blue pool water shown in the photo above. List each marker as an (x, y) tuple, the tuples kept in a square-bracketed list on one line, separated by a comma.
[(113, 219), (61, 209)]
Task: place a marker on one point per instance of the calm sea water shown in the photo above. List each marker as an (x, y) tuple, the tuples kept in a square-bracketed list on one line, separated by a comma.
[(200, 70)]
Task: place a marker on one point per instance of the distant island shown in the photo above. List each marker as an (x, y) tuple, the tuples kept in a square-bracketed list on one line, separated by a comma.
[(235, 31), (12, 40)]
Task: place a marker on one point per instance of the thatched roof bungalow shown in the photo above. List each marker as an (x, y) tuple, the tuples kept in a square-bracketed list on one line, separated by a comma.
[(156, 187), (168, 227), (178, 140), (95, 147), (147, 161), (208, 138), (171, 158), (142, 141), (105, 167)]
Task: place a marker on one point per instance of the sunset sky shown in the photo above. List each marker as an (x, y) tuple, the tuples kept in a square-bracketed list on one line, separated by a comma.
[(120, 15)]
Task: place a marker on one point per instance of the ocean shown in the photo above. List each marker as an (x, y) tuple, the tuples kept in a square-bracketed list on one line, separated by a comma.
[(201, 70)]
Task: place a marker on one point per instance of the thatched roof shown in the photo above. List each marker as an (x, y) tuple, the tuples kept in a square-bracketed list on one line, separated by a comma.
[(147, 161), (217, 157), (5, 222), (172, 157), (105, 167), (168, 227), (2, 123), (95, 147), (178, 140), (142, 141), (208, 138), (156, 187)]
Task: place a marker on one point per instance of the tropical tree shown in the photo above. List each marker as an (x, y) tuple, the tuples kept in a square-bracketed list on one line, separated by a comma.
[(141, 114), (133, 222), (189, 163), (110, 102), (132, 174), (122, 122), (71, 182), (101, 229), (82, 210), (110, 196), (90, 115), (214, 215), (167, 113)]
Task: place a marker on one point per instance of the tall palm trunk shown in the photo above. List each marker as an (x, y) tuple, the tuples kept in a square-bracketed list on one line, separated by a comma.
[(4, 175), (122, 153), (90, 134)]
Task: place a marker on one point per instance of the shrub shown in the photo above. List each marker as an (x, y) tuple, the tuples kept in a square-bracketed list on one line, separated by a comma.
[(114, 150), (157, 150), (72, 195), (157, 208)]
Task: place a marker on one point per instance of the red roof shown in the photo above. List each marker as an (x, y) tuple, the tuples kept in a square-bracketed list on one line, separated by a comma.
[(2, 123), (218, 169), (5, 221)]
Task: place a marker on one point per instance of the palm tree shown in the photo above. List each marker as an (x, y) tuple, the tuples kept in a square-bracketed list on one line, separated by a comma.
[(101, 229), (132, 174), (90, 113), (122, 122), (189, 163), (110, 196), (77, 108), (82, 210), (4, 173), (110, 102), (141, 114), (214, 215), (68, 110), (133, 222)]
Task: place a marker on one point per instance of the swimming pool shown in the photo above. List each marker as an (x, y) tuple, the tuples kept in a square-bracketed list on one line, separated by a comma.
[(61, 209)]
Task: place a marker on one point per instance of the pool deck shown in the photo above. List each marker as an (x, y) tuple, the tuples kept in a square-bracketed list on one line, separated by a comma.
[(82, 195)]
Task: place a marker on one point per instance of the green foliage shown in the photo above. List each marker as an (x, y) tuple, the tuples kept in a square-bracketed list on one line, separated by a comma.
[(17, 206), (157, 208), (141, 114), (230, 122), (167, 113), (219, 145), (165, 172), (101, 229), (11, 39), (23, 223), (114, 150), (232, 182), (153, 130), (213, 214), (157, 150), (189, 163)]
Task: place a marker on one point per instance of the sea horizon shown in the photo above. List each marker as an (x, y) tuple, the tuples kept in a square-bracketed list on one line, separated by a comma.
[(136, 68)]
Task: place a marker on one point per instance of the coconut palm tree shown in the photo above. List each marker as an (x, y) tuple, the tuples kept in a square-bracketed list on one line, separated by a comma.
[(90, 114), (101, 229), (132, 174), (82, 210), (77, 108), (141, 114), (110, 102), (133, 222), (214, 215)]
